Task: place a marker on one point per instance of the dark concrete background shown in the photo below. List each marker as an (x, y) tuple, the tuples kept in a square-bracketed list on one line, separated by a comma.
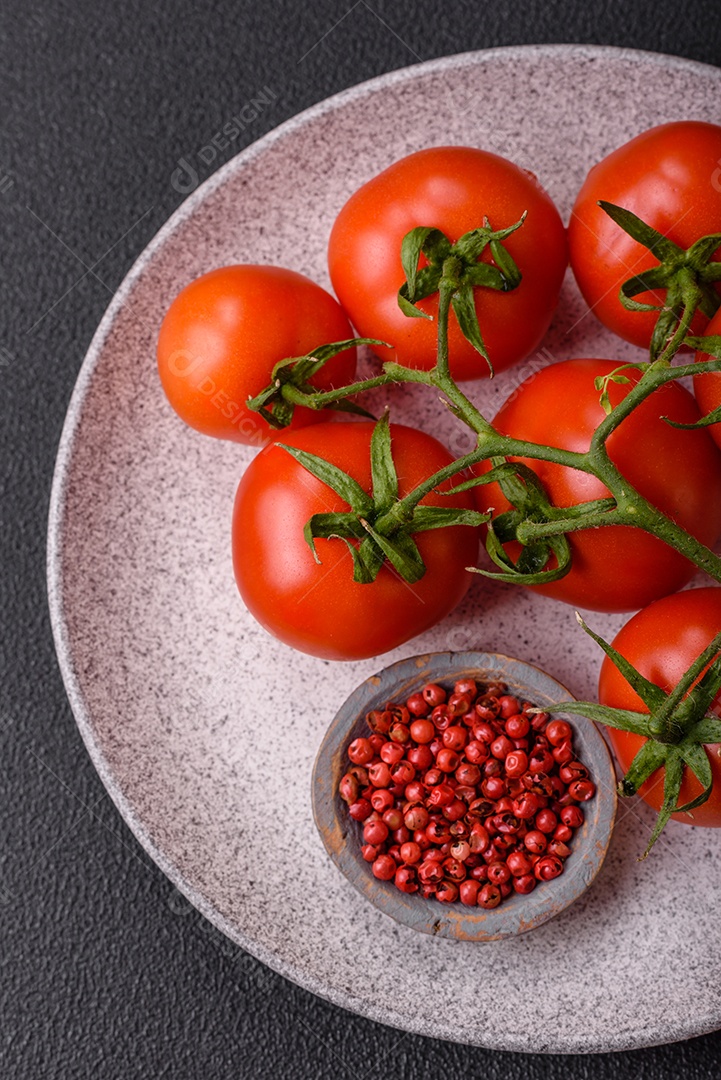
[(105, 971)]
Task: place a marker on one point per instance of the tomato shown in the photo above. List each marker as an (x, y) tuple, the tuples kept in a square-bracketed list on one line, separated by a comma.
[(670, 177), (317, 607), (661, 642), (452, 189), (616, 568), (707, 388), (225, 331)]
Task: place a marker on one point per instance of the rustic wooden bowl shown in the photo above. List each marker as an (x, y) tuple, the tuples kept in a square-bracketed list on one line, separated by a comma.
[(342, 836)]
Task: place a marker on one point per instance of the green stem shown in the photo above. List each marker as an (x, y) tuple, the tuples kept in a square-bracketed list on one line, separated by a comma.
[(590, 515), (684, 370), (655, 375), (328, 397)]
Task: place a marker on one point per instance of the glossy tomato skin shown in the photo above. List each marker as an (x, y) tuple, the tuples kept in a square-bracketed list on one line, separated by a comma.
[(616, 568), (225, 331), (453, 189), (707, 388), (668, 176), (662, 641), (317, 607)]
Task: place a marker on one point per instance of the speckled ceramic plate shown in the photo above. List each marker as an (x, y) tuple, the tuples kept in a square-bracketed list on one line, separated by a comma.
[(178, 693)]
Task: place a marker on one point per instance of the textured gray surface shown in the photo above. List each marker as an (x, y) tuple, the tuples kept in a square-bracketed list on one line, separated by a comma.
[(106, 969), (162, 663)]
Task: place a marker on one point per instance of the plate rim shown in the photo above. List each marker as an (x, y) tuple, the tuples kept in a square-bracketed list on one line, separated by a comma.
[(58, 498)]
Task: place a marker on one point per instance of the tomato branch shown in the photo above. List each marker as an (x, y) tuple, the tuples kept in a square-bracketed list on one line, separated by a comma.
[(453, 271)]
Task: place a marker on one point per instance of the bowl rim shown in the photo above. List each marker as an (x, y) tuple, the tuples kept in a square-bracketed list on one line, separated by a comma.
[(517, 914)]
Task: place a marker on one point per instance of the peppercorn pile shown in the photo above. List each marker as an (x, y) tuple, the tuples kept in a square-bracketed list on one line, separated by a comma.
[(466, 794)]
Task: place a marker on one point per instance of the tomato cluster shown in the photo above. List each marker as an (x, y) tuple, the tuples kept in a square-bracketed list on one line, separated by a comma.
[(331, 551)]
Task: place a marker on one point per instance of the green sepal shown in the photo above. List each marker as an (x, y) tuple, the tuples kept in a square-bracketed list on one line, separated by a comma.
[(651, 695), (439, 517), (426, 241), (325, 526), (711, 345), (650, 757), (504, 260), (383, 470), (701, 251), (473, 243), (529, 503), (362, 573), (306, 366), (510, 571), (504, 525), (696, 758), (671, 787), (621, 719), (401, 552), (464, 308), (504, 469), (714, 417), (673, 717), (704, 693), (347, 406), (707, 730), (533, 558), (676, 728), (658, 244), (486, 276), (666, 323), (646, 281), (428, 280), (343, 484), (687, 278), (383, 523)]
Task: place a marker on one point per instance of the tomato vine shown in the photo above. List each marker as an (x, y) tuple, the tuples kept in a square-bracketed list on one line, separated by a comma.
[(678, 723)]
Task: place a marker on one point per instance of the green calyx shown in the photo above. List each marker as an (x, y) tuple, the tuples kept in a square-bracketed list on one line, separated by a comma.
[(291, 386), (379, 526), (534, 522), (676, 727), (529, 503), (456, 270), (687, 277)]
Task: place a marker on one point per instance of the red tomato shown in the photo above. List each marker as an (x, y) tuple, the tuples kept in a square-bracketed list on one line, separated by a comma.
[(452, 189), (707, 388), (616, 568), (662, 641), (670, 177), (224, 333), (317, 607)]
